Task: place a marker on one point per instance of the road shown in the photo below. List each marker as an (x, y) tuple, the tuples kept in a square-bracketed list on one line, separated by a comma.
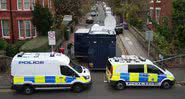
[(101, 90)]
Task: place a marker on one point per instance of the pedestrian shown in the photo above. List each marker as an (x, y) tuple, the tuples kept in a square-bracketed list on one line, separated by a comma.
[(69, 46)]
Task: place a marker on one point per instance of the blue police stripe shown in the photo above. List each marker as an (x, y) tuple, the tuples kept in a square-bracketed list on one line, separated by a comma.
[(124, 76), (143, 77), (161, 77), (49, 79), (29, 78), (69, 79)]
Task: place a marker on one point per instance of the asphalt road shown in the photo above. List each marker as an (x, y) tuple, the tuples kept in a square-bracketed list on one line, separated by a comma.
[(101, 90)]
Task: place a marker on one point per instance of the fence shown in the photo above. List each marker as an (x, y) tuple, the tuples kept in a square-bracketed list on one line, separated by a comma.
[(170, 61)]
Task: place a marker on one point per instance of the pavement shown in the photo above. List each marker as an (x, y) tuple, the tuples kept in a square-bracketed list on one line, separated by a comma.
[(132, 46)]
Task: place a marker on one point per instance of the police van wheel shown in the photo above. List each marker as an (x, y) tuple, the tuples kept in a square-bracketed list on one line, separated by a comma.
[(120, 85), (28, 90), (166, 85), (77, 88)]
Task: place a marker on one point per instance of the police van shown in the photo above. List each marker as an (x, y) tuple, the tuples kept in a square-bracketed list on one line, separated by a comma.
[(131, 70), (34, 71)]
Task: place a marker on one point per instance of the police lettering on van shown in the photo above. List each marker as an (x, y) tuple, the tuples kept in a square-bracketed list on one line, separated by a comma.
[(131, 70), (34, 71)]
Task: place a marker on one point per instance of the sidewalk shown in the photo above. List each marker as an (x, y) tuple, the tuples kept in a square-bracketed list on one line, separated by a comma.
[(132, 46), (5, 81), (179, 73)]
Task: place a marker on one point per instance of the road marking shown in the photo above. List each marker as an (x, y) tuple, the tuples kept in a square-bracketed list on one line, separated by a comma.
[(6, 90)]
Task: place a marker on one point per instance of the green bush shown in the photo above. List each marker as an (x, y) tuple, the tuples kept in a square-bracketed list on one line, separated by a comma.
[(162, 45), (3, 44), (13, 49), (36, 45)]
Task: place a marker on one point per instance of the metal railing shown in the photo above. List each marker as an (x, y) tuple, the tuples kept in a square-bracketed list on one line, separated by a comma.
[(170, 60)]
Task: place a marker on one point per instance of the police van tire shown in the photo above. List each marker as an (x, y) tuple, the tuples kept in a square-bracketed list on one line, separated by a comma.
[(77, 88), (28, 89), (166, 85), (120, 85)]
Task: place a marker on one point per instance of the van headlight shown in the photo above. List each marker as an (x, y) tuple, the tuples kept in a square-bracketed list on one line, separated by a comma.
[(86, 77)]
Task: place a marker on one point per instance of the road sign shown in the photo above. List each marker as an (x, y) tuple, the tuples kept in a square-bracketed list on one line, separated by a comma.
[(149, 35), (51, 38), (149, 38)]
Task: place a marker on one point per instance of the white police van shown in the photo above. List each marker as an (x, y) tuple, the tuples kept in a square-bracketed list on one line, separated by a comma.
[(131, 70), (34, 71)]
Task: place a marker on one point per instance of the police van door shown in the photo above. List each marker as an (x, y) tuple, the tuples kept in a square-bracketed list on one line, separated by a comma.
[(137, 76), (154, 74), (67, 76)]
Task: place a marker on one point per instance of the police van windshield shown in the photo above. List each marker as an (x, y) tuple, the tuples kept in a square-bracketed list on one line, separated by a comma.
[(76, 67)]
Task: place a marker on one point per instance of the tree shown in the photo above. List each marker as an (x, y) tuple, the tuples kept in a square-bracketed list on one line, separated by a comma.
[(42, 19), (66, 7), (63, 7), (179, 22)]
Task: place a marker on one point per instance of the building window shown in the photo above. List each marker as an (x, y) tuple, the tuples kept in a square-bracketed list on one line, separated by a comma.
[(49, 4), (24, 28), (158, 1), (150, 14), (33, 4), (19, 4), (21, 29), (23, 4), (3, 5), (28, 29), (158, 11), (5, 28), (43, 3), (26, 4)]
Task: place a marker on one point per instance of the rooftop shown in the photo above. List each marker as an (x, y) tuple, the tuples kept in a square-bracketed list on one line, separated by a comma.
[(44, 56), (129, 59), (82, 31)]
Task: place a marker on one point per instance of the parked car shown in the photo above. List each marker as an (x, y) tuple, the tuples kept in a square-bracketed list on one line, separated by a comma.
[(125, 25), (89, 20), (119, 29), (94, 13)]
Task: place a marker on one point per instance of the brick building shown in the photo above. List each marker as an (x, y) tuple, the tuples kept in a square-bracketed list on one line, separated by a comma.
[(16, 16), (158, 9)]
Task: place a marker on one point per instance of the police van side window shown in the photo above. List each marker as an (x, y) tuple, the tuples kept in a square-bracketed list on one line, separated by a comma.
[(66, 71), (136, 68), (153, 69)]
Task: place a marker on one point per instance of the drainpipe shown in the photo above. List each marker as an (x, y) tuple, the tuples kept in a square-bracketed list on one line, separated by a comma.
[(11, 22)]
